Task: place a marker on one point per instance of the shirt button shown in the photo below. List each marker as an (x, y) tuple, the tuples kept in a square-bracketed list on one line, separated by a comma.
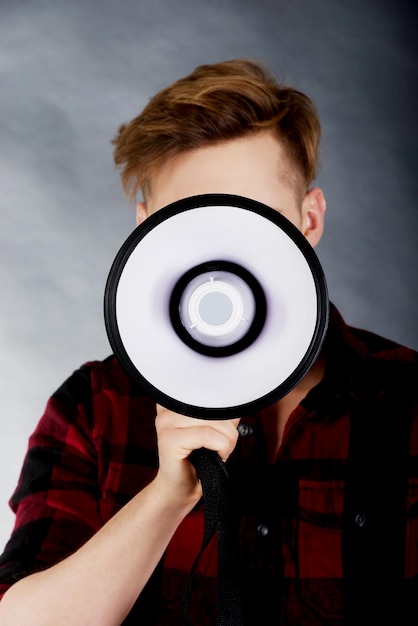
[(360, 519), (262, 530), (245, 430)]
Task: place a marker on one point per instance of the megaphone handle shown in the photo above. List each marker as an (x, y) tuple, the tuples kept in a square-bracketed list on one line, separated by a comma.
[(217, 517)]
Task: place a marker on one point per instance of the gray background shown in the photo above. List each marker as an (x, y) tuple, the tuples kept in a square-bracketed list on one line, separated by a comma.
[(71, 72)]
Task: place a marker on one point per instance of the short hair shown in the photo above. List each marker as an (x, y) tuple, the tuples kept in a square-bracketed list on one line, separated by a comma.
[(214, 104)]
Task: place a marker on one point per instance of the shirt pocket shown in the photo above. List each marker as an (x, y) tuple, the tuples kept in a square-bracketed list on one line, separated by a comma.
[(411, 536), (319, 529)]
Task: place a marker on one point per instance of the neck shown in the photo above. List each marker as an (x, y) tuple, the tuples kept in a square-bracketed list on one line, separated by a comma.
[(274, 418), (314, 375)]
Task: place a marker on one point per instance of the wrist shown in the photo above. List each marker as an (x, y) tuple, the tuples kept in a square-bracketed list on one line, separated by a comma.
[(181, 499)]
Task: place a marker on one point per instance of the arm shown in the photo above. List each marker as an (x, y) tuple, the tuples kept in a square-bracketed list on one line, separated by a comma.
[(100, 582)]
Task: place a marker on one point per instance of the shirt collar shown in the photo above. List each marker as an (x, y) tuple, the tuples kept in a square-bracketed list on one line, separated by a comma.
[(349, 366)]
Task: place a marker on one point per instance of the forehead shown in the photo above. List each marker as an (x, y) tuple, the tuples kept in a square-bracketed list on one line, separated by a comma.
[(255, 166)]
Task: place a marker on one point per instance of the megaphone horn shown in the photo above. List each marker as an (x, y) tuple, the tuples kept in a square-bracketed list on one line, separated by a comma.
[(217, 305)]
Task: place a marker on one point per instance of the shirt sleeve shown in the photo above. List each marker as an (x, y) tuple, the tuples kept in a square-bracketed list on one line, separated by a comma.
[(57, 496)]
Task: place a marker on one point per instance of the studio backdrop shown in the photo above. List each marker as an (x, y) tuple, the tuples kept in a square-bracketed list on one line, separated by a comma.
[(72, 72)]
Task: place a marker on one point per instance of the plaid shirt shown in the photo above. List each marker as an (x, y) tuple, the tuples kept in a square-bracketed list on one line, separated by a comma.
[(328, 534)]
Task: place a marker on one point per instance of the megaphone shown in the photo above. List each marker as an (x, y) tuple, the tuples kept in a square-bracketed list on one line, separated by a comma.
[(216, 305)]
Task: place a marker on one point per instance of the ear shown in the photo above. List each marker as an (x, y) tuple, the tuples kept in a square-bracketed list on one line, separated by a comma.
[(313, 213), (141, 212)]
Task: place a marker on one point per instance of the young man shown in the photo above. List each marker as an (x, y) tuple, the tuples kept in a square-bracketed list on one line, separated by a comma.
[(325, 482)]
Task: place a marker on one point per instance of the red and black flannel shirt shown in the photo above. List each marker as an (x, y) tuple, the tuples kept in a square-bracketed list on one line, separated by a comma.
[(328, 534)]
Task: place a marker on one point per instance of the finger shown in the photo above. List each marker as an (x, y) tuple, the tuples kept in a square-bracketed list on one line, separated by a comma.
[(188, 433)]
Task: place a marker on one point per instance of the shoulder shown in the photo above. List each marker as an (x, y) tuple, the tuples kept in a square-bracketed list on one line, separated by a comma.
[(389, 370), (374, 361), (91, 393), (95, 376), (364, 344), (392, 362), (381, 348)]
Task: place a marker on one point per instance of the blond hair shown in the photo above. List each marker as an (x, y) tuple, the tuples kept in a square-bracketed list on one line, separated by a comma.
[(213, 104)]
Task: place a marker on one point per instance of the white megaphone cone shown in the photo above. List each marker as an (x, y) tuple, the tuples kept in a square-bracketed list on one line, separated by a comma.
[(217, 305)]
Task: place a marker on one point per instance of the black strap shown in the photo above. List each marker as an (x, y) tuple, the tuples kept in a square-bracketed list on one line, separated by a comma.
[(217, 518), (374, 509)]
